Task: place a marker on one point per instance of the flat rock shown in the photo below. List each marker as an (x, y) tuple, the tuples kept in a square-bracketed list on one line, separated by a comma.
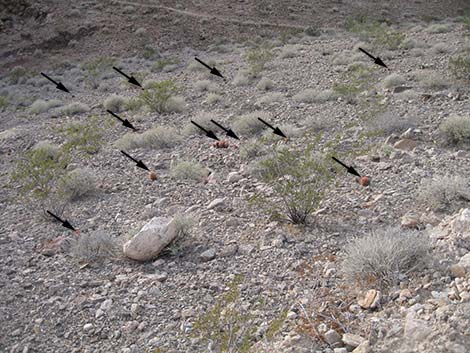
[(405, 144), (233, 177), (371, 299), (332, 337), (352, 340), (416, 329), (151, 239), (216, 204), (364, 347), (465, 262), (207, 255)]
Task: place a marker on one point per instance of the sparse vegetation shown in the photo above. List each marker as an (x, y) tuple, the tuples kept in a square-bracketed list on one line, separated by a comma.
[(257, 58), (444, 193), (73, 109), (249, 124), (157, 95), (186, 170), (85, 136), (164, 64), (456, 130), (206, 85), (94, 247), (314, 96), (3, 102), (377, 260), (203, 119), (288, 52), (77, 184), (390, 122), (95, 69), (298, 178), (115, 103), (438, 28), (441, 48), (270, 98), (265, 84), (159, 137), (431, 79), (375, 32), (393, 80), (213, 98), (252, 149), (459, 66)]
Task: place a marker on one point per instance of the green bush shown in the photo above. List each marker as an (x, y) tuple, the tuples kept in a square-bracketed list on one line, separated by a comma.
[(157, 95), (459, 66), (86, 136), (40, 168), (257, 59), (456, 130), (298, 178)]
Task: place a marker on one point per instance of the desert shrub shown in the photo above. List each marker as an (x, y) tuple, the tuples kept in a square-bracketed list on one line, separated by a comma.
[(73, 109), (84, 136), (3, 102), (265, 84), (440, 48), (444, 193), (257, 58), (175, 104), (393, 80), (431, 79), (157, 95), (165, 64), (459, 66), (149, 52), (183, 224), (357, 80), (95, 69), (159, 137), (439, 28), (94, 247), (298, 178), (114, 103), (18, 75), (249, 124), (312, 31), (456, 130), (288, 52), (314, 96), (40, 168), (42, 106), (186, 170), (203, 119), (242, 78), (375, 32), (77, 184), (380, 258), (391, 122), (206, 85), (228, 325), (252, 149), (213, 98), (270, 98)]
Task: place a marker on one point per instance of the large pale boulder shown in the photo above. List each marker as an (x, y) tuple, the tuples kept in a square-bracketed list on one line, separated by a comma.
[(151, 239)]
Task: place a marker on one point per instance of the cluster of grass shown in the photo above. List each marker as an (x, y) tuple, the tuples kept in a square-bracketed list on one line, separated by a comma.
[(95, 69), (356, 80), (249, 125), (377, 260), (270, 98), (19, 75), (94, 247), (459, 66), (393, 80), (444, 193), (456, 130), (265, 84), (315, 96), (72, 109), (41, 106), (165, 64), (257, 58), (431, 79), (186, 170), (203, 119), (390, 122), (206, 86), (298, 178), (252, 149), (115, 103), (374, 32), (159, 137), (77, 184), (229, 327)]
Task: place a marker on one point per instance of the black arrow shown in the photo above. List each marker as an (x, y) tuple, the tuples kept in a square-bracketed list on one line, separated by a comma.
[(58, 85), (209, 133), (350, 170), (65, 223), (214, 71), (140, 164), (377, 60), (125, 122), (229, 132), (276, 130), (131, 79)]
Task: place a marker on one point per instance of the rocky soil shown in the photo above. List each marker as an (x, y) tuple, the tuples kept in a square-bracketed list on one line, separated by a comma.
[(54, 302)]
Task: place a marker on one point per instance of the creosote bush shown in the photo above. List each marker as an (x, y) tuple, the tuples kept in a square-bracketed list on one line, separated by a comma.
[(77, 184), (186, 170), (456, 130), (444, 193), (157, 95), (378, 259), (298, 178), (84, 136)]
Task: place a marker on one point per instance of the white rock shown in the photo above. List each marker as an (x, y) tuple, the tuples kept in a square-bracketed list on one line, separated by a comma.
[(364, 347), (465, 262), (151, 239), (217, 203), (106, 305), (340, 350), (233, 177), (416, 329), (207, 255), (87, 327)]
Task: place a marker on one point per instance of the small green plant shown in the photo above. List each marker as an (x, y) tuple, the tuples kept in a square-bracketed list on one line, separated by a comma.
[(298, 178), (95, 68), (86, 136), (257, 59), (115, 103), (229, 327), (459, 66), (157, 95), (40, 168)]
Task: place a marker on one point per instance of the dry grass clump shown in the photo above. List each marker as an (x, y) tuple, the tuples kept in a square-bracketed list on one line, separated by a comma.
[(265, 84), (203, 119), (175, 104), (444, 193), (115, 103), (206, 86), (441, 48), (188, 170), (288, 52), (392, 123), (439, 28), (252, 149), (159, 137), (41, 106), (270, 98), (378, 259), (94, 247), (456, 130), (314, 96), (77, 184), (73, 109), (249, 125), (242, 78), (213, 98), (431, 79), (393, 80)]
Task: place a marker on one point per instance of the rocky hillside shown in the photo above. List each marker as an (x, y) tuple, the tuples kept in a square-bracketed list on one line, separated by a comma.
[(309, 200)]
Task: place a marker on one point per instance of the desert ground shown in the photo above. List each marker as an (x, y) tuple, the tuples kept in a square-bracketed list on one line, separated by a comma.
[(307, 199)]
